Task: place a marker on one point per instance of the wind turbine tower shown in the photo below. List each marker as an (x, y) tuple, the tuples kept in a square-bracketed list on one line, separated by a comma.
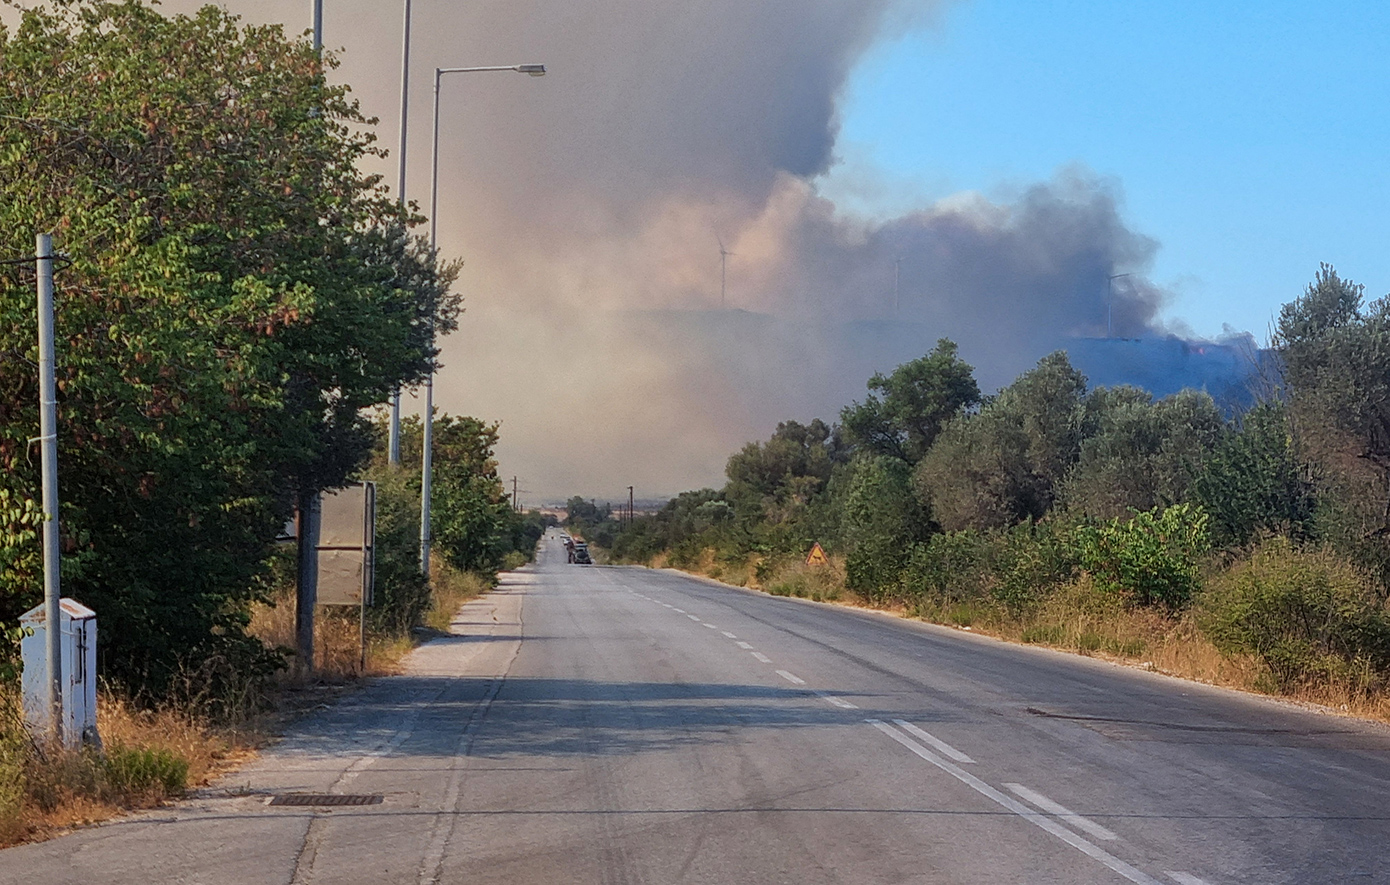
[(723, 270)]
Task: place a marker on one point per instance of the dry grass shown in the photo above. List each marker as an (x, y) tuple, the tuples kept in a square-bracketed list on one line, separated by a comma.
[(449, 590), (338, 652), (150, 757)]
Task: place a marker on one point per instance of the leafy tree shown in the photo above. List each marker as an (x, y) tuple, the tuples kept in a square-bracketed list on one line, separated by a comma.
[(237, 292), (1004, 464), (1252, 480), (907, 409), (1336, 366), (1141, 454), (773, 481), (882, 520)]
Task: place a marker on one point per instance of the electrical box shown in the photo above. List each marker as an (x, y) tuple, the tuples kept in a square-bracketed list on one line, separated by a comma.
[(78, 661)]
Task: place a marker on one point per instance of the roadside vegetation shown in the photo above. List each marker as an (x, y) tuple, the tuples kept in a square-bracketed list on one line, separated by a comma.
[(236, 302), (1245, 545)]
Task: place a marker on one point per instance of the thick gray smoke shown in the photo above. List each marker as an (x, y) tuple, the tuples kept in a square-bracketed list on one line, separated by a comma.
[(589, 206)]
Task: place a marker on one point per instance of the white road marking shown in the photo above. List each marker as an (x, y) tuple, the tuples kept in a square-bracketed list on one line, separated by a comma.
[(1036, 818), (728, 635), (936, 742), (711, 626), (791, 677), (762, 657), (1066, 814), (1185, 878), (679, 611), (693, 617), (744, 645), (834, 701)]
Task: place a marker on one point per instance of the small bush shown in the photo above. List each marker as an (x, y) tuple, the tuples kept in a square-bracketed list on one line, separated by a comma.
[(1309, 615), (150, 772), (1150, 560)]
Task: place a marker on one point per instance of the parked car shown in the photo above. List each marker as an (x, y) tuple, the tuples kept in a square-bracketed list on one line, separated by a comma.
[(581, 554)]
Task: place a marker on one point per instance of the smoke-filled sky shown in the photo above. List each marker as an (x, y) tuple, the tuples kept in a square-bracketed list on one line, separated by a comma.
[(590, 206)]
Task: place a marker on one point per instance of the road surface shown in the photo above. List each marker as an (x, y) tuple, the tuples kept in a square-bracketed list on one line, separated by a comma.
[(624, 726)]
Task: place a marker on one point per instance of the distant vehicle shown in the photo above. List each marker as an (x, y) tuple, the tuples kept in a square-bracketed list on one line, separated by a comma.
[(581, 554)]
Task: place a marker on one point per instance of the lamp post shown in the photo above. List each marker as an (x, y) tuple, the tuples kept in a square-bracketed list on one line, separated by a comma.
[(427, 441), (393, 444)]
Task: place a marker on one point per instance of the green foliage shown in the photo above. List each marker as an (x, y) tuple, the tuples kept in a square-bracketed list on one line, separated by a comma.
[(1013, 567), (1151, 559), (775, 482), (881, 521), (238, 292), (917, 400), (1307, 613), (1140, 454), (145, 771), (1004, 465), (1252, 482)]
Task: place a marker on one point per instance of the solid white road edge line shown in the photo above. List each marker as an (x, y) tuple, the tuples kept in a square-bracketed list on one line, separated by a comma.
[(1066, 814), (934, 741), (791, 677), (1036, 818), (762, 657)]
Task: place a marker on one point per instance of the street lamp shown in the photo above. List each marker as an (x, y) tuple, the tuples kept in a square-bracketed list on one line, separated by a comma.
[(393, 438), (427, 443)]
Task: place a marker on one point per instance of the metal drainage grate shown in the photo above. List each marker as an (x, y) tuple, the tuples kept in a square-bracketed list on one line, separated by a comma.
[(332, 799)]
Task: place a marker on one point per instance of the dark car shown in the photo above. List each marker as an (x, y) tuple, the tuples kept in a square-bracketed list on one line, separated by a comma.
[(581, 554)]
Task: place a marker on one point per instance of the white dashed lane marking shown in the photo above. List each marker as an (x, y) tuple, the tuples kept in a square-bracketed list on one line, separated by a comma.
[(762, 657), (791, 677)]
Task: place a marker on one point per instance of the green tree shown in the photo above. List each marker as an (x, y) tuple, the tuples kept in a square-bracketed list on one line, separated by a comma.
[(1004, 465), (1252, 480), (882, 521), (906, 410), (1335, 351), (237, 292), (1141, 454)]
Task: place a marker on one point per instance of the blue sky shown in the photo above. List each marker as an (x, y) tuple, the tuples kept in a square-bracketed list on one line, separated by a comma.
[(1252, 140)]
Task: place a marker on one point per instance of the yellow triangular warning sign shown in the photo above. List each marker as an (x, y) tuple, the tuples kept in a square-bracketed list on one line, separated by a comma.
[(817, 556)]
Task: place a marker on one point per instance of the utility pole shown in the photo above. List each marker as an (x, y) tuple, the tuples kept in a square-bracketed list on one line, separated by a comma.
[(393, 447), (306, 583), (629, 505), (516, 500), (48, 440)]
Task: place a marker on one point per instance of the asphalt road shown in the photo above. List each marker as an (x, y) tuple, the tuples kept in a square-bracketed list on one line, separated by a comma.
[(624, 726)]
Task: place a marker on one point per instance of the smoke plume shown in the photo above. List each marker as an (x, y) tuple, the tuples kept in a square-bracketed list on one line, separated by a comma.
[(590, 207)]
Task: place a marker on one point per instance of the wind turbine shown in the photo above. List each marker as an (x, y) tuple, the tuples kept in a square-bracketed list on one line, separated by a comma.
[(723, 269)]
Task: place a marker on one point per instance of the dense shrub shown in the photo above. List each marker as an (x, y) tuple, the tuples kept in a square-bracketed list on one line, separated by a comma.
[(1308, 614), (1151, 559)]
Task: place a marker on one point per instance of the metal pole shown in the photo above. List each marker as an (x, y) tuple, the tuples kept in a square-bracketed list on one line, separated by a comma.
[(307, 583), (427, 443), (318, 24), (394, 436), (48, 447)]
